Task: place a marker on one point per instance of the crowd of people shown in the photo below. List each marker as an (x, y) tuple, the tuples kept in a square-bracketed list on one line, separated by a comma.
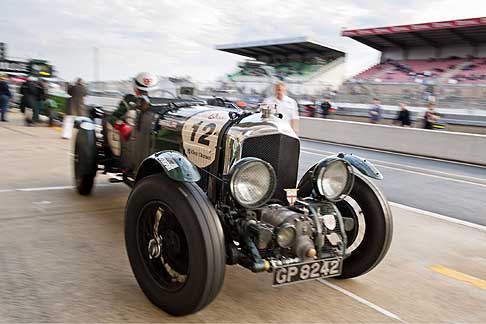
[(34, 95), (34, 92), (403, 118), (431, 119)]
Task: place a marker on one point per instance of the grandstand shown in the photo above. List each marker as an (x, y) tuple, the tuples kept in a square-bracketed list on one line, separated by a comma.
[(446, 60), (306, 66)]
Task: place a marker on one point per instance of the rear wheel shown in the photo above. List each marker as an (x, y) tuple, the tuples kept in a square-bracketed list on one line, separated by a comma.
[(85, 166), (175, 244)]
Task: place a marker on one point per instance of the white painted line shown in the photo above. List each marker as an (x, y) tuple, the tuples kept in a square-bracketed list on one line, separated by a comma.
[(362, 300), (432, 175), (310, 150), (406, 165), (438, 216), (394, 153), (51, 188), (46, 188), (410, 171), (412, 209), (432, 170), (43, 202)]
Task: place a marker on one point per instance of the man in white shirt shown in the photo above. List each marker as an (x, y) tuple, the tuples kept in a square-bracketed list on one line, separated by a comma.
[(285, 106)]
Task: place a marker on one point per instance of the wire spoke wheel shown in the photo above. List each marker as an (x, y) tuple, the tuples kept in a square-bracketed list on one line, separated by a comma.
[(175, 244), (163, 244), (370, 236), (355, 235)]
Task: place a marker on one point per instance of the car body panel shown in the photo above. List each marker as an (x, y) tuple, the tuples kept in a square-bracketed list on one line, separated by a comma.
[(175, 165)]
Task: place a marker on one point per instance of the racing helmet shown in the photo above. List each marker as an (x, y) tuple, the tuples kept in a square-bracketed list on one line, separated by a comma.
[(145, 81)]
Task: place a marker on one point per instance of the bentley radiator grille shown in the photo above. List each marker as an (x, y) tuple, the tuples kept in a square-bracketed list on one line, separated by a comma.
[(282, 152)]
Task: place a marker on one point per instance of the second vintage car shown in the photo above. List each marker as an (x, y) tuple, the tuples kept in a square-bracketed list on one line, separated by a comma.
[(213, 187)]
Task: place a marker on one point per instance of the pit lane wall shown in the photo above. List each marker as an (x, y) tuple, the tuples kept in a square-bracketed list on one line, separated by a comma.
[(469, 148)]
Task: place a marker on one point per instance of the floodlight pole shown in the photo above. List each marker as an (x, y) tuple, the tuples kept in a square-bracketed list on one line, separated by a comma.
[(96, 65)]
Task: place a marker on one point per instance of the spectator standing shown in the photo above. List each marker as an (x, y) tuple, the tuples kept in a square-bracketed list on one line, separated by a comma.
[(285, 106), (40, 99), (403, 116), (30, 92), (310, 110), (78, 92), (375, 113), (5, 96), (74, 107), (326, 107), (430, 117)]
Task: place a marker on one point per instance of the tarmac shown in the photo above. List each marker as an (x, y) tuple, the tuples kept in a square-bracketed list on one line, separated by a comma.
[(63, 259)]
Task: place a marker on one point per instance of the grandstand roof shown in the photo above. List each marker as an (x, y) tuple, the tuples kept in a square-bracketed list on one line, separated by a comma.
[(284, 46), (435, 34)]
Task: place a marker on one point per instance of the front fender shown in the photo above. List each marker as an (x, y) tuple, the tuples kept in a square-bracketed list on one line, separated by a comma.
[(365, 167), (80, 120), (362, 165), (174, 164)]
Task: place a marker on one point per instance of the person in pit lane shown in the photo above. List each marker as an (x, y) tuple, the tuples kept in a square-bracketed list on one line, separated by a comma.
[(133, 121), (132, 106), (285, 105)]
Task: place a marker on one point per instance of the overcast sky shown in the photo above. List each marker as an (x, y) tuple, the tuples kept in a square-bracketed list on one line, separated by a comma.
[(178, 37)]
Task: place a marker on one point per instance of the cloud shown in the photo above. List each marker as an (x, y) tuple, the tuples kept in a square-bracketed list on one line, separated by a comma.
[(178, 37)]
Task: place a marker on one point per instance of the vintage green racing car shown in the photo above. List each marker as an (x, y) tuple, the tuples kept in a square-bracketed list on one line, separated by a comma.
[(213, 186)]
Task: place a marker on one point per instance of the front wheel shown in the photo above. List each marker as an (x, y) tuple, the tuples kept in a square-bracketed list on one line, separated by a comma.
[(175, 244), (371, 235), (369, 239)]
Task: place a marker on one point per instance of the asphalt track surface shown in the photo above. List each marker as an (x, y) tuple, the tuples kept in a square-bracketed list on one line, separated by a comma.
[(62, 256)]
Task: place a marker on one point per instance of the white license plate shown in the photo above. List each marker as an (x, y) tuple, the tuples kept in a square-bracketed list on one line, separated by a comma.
[(288, 274)]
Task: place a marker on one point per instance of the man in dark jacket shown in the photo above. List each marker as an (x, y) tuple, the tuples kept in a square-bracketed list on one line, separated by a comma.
[(403, 116), (5, 96), (325, 107), (41, 98), (31, 93)]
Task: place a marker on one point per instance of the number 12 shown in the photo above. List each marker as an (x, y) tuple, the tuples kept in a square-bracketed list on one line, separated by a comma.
[(207, 130)]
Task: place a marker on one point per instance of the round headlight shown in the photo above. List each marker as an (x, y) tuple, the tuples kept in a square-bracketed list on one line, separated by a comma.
[(252, 182), (333, 178), (286, 236)]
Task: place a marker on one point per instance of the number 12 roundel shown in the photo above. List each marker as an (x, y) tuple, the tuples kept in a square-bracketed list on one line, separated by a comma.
[(200, 136)]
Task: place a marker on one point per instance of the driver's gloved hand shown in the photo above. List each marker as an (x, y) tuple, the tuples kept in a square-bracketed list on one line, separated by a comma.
[(124, 130)]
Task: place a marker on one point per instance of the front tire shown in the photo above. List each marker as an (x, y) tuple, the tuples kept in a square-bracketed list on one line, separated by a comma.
[(175, 244), (371, 236), (370, 240)]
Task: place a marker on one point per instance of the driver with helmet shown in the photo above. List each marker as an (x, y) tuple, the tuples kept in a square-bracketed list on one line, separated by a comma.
[(131, 107), (133, 121)]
